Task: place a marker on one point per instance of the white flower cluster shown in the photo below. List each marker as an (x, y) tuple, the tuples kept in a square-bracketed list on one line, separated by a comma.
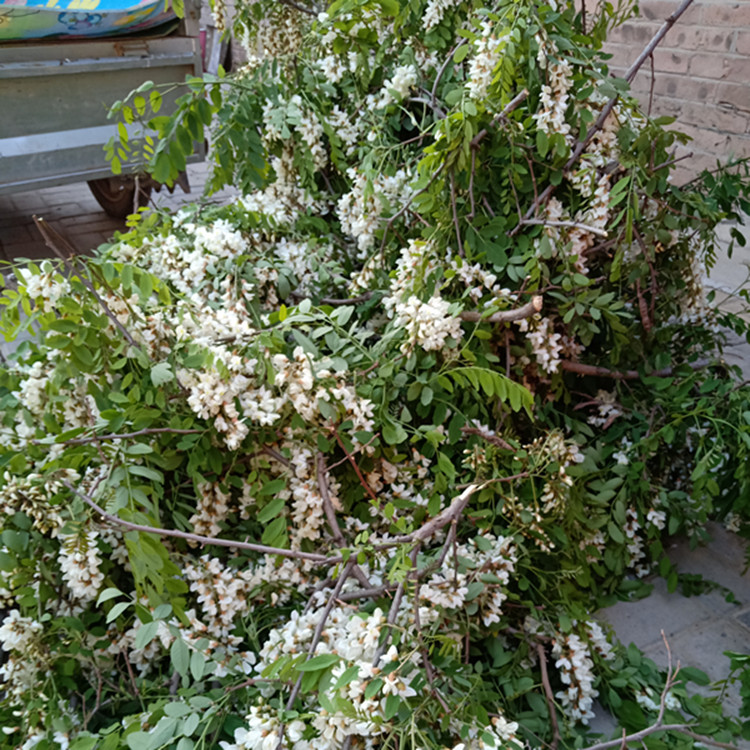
[(487, 50), (607, 407), (17, 633), (212, 509), (79, 561), (501, 734), (428, 325), (435, 10), (395, 89), (554, 100), (546, 343), (483, 555), (576, 671), (360, 215), (635, 544), (32, 496), (47, 286), (283, 200), (277, 35), (335, 67), (346, 127), (355, 639)]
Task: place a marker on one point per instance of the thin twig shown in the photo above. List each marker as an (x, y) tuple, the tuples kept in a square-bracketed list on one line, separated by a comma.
[(53, 240), (603, 372), (514, 103), (122, 435), (472, 212), (332, 302), (348, 455), (606, 110), (455, 216), (548, 696), (332, 600), (330, 514), (198, 538), (670, 162), (356, 468), (505, 316), (297, 6), (489, 437), (573, 224), (433, 93), (408, 203)]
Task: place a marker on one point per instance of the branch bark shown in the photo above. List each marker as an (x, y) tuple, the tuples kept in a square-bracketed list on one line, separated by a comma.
[(514, 103), (121, 436), (604, 114), (53, 240), (505, 316), (198, 538), (603, 372)]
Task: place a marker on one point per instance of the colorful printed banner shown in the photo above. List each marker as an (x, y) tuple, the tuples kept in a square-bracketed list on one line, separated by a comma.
[(36, 19)]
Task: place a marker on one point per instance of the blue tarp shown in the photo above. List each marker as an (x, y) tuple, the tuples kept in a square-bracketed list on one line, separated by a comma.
[(36, 19)]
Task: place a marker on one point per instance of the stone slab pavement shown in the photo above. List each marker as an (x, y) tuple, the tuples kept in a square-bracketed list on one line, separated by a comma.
[(699, 629), (73, 210)]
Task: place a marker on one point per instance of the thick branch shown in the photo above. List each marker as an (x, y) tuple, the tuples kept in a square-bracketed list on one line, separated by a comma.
[(53, 240), (122, 436), (198, 538), (603, 372), (514, 103), (548, 696), (544, 196), (505, 316), (572, 224)]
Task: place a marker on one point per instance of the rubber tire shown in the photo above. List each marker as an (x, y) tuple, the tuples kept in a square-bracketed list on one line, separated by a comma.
[(115, 194)]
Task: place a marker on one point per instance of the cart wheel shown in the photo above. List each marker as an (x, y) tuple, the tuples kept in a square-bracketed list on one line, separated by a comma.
[(116, 194)]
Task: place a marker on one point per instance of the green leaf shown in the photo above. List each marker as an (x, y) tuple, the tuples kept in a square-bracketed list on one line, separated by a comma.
[(146, 633), (615, 532), (460, 54), (161, 373), (179, 653), (108, 594), (322, 661), (197, 664), (271, 510), (117, 610)]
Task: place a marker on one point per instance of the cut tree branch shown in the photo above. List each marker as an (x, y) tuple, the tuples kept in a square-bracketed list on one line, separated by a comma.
[(549, 696), (603, 372), (121, 436), (505, 316), (573, 224), (198, 538), (604, 114), (54, 240), (514, 103)]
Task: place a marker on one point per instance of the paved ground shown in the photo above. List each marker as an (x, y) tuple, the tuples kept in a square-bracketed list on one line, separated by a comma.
[(699, 629), (73, 210)]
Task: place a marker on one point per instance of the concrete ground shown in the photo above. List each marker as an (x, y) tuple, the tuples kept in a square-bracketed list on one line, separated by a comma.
[(73, 210), (699, 629)]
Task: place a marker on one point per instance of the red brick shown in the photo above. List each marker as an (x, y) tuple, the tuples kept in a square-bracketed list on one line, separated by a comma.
[(683, 87), (687, 37), (660, 10), (735, 95), (669, 61), (742, 43), (726, 14), (622, 55), (635, 32), (709, 65)]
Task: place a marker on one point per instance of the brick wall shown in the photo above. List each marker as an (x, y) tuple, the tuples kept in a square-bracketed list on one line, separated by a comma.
[(702, 74)]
